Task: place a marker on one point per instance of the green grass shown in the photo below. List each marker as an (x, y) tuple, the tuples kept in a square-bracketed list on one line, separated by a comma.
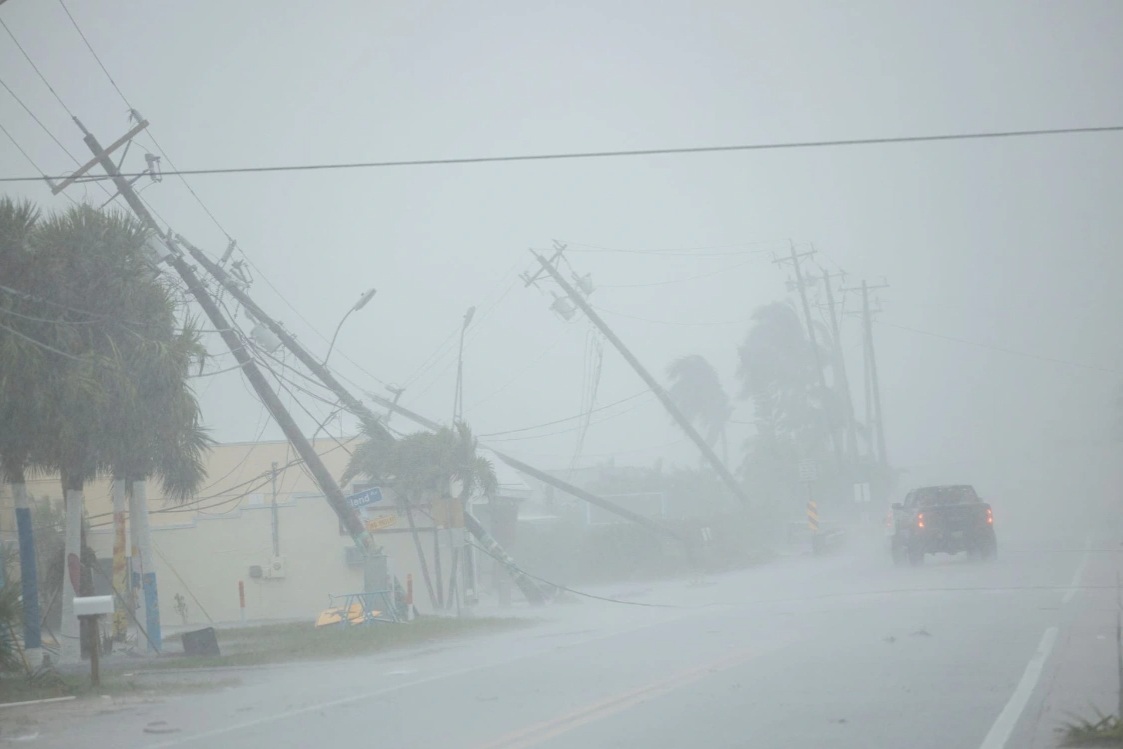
[(282, 643), (1106, 731), (18, 688)]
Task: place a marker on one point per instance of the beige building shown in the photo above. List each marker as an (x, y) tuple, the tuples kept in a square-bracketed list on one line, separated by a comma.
[(224, 536)]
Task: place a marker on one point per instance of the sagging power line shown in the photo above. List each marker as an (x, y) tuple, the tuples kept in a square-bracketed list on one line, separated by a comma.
[(572, 156)]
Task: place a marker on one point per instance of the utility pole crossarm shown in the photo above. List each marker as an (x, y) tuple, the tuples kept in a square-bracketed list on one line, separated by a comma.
[(651, 382)]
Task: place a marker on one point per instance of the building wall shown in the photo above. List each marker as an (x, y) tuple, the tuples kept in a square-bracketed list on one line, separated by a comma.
[(206, 544), (204, 559)]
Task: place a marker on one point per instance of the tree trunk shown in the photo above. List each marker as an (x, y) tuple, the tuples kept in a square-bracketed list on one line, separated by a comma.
[(120, 574), (148, 566), (437, 573), (135, 567), (29, 572), (421, 556), (69, 645)]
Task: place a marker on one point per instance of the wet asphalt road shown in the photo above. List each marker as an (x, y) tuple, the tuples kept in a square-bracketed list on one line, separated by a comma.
[(843, 652)]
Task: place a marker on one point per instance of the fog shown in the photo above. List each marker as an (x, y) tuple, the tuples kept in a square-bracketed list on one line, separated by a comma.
[(996, 261)]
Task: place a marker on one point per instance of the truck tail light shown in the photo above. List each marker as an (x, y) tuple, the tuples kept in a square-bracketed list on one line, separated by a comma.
[(990, 517), (920, 520)]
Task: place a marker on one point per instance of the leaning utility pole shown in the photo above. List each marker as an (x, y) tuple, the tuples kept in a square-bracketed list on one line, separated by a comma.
[(664, 398), (843, 377), (874, 386), (355, 406), (320, 473), (822, 375)]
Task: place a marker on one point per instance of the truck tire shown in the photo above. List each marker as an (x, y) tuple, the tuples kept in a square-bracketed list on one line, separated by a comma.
[(898, 553), (916, 555), (989, 552)]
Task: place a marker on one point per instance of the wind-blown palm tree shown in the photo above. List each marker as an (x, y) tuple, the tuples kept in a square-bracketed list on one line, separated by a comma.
[(118, 400), (154, 430), (777, 371), (419, 468), (697, 391), (22, 364)]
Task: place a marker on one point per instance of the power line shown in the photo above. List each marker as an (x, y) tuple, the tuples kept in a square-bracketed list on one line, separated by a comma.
[(568, 418), (737, 249), (20, 149), (570, 429), (791, 145), (36, 69), (523, 370), (743, 321), (45, 129), (92, 52), (718, 272), (1002, 349)]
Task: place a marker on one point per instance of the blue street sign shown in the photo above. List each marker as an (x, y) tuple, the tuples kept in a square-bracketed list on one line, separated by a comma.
[(365, 497)]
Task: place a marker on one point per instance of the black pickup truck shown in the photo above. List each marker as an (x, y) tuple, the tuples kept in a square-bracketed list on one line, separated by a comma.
[(947, 519)]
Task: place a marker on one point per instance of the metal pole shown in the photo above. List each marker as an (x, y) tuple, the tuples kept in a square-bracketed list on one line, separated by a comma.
[(660, 393), (336, 334), (249, 367)]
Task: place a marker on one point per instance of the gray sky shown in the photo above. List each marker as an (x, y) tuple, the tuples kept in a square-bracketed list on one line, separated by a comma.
[(1007, 243)]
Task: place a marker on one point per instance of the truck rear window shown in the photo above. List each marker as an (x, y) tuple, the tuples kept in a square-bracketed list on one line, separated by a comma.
[(945, 495)]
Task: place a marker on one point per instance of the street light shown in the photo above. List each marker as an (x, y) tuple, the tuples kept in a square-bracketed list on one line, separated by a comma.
[(366, 297), (458, 400)]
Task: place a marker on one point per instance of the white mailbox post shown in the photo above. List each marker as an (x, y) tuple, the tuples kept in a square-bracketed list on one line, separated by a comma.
[(90, 608)]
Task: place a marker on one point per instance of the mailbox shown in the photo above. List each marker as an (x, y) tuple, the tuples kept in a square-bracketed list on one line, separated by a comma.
[(93, 605)]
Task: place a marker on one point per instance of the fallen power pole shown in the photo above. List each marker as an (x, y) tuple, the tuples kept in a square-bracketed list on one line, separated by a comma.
[(303, 447), (358, 408), (664, 398), (528, 587)]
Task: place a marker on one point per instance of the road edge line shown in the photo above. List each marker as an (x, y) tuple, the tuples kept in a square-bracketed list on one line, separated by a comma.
[(1007, 720)]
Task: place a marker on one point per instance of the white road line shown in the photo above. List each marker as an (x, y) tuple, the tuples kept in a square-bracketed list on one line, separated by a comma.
[(1004, 726), (1074, 586)]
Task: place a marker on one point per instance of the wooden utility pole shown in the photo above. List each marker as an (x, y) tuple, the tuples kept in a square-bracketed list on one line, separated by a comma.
[(801, 286), (874, 386), (314, 365), (355, 406), (840, 370), (664, 398), (303, 447)]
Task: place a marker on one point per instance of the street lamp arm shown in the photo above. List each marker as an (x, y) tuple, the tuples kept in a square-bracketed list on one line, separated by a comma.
[(336, 334)]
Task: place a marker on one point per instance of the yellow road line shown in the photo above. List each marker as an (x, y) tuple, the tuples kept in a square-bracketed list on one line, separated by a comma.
[(537, 733)]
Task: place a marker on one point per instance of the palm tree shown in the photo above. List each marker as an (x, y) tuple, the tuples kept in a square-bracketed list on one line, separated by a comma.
[(118, 400), (419, 468), (697, 391), (20, 395), (777, 371), (154, 430)]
